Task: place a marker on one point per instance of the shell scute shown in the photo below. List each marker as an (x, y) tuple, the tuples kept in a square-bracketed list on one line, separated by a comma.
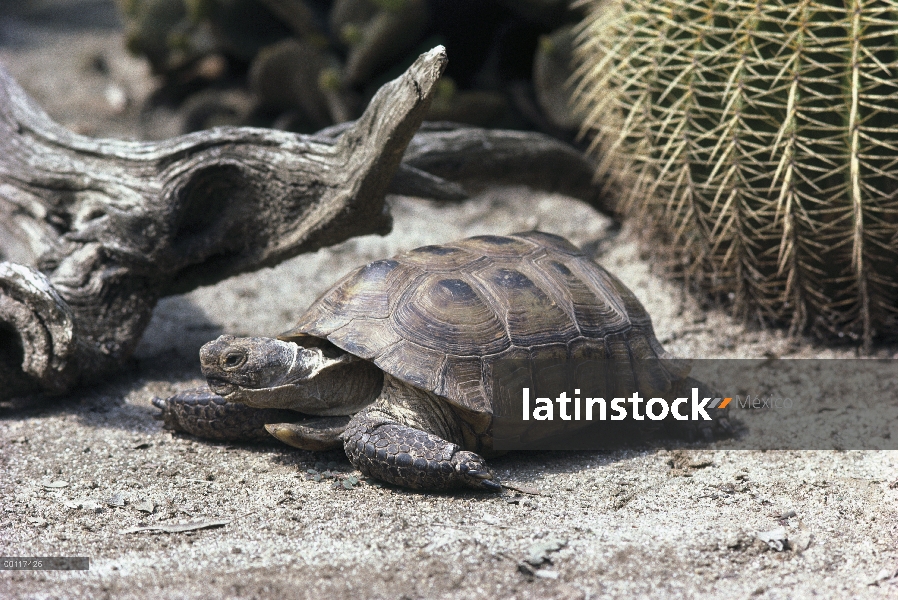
[(496, 246), (439, 258), (462, 378), (447, 314), (367, 337), (596, 312), (550, 241), (413, 364), (367, 292), (532, 315)]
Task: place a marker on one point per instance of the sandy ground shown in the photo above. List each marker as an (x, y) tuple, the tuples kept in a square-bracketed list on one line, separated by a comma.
[(81, 473)]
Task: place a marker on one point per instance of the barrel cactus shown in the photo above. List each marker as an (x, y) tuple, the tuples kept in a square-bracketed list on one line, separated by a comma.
[(758, 141)]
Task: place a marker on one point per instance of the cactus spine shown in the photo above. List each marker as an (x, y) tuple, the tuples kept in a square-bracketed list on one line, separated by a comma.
[(760, 138)]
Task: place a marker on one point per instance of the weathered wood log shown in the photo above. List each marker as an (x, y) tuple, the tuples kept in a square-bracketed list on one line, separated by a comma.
[(443, 155), (101, 229), (476, 158)]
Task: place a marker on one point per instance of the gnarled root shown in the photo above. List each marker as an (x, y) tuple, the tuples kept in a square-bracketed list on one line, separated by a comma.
[(103, 228)]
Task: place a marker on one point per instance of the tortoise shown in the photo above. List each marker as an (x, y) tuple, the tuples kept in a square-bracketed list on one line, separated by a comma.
[(394, 358)]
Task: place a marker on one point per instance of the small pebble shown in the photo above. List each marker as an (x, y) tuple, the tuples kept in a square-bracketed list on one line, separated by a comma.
[(546, 574)]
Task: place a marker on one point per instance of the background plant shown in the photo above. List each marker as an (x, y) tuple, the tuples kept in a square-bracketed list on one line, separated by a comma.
[(303, 65), (759, 141)]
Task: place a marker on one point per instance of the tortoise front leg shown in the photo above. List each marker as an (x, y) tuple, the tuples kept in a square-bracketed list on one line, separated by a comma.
[(203, 413), (384, 449)]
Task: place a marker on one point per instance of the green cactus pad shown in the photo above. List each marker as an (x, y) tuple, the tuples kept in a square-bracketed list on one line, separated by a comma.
[(758, 140)]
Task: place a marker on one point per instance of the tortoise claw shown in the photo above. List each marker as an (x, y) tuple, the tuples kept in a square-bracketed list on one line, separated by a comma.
[(490, 485), (162, 405), (472, 470)]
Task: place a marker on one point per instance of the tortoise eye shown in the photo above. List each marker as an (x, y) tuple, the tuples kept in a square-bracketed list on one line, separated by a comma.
[(234, 359)]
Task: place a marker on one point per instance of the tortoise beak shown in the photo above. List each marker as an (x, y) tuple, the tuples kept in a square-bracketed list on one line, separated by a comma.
[(221, 387)]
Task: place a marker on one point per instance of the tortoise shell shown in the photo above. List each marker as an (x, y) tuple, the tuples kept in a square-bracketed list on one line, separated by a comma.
[(438, 317)]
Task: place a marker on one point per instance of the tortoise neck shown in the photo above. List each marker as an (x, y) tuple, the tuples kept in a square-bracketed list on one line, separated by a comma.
[(317, 385), (345, 388)]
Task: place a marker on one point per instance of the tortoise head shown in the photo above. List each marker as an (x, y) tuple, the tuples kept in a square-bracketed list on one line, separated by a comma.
[(270, 373)]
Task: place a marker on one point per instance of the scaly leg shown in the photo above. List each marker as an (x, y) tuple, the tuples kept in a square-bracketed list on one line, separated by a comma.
[(383, 448), (205, 414)]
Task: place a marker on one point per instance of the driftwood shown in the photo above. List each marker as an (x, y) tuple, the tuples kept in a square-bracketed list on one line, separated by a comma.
[(96, 231), (477, 157), (445, 160)]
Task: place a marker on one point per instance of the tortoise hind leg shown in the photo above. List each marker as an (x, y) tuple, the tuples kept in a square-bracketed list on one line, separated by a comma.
[(317, 433), (385, 449)]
